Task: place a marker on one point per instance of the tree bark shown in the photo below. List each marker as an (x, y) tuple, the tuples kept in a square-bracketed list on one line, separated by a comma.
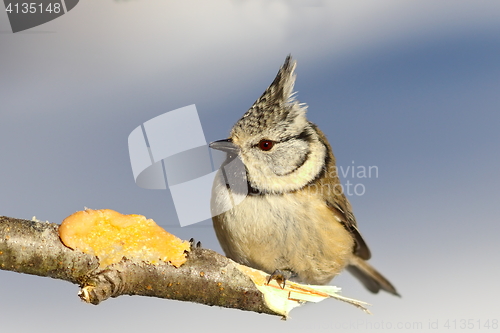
[(207, 277)]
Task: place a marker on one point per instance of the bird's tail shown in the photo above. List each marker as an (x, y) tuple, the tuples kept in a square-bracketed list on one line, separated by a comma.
[(371, 279)]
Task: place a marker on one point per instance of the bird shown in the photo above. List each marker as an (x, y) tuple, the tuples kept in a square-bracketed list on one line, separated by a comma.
[(292, 219)]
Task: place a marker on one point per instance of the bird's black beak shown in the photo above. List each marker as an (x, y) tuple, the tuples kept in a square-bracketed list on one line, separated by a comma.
[(225, 145)]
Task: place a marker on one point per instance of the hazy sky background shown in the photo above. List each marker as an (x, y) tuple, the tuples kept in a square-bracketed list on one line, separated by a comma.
[(411, 87)]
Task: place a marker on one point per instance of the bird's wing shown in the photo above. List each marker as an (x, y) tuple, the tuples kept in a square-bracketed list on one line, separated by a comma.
[(346, 217)]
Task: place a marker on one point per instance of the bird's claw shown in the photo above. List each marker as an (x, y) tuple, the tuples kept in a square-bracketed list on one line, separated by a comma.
[(281, 276), (192, 242)]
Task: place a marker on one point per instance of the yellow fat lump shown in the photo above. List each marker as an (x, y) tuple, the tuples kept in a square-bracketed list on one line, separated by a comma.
[(111, 236)]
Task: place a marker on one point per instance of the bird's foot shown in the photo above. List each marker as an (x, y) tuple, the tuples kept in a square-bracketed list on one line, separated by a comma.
[(192, 243), (281, 275)]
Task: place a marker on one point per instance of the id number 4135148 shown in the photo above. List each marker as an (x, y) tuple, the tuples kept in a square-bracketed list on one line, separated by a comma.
[(471, 324), (33, 8)]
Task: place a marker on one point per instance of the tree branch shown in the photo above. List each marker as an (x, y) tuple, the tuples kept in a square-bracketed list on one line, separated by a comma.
[(207, 277)]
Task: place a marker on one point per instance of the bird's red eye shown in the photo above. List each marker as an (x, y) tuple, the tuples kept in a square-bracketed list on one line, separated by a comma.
[(266, 144)]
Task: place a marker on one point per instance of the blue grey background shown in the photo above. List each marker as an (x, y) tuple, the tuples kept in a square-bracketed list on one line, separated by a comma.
[(410, 87)]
